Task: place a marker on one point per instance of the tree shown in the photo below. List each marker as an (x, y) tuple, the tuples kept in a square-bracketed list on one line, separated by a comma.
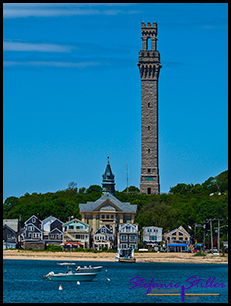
[(82, 190), (94, 188), (132, 189), (211, 209), (72, 186), (181, 188)]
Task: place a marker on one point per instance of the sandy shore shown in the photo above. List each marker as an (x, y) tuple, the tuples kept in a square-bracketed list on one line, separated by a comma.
[(140, 257)]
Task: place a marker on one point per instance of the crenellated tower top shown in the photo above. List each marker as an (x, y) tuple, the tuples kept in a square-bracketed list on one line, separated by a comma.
[(149, 32), (149, 59)]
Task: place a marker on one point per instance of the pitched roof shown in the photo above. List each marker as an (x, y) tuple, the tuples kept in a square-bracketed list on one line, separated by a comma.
[(180, 229), (50, 219), (75, 220), (108, 231), (12, 223), (108, 176), (108, 197)]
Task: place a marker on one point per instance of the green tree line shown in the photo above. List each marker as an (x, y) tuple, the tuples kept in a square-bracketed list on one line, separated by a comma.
[(185, 204)]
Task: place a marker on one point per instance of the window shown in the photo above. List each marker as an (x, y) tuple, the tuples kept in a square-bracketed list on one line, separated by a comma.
[(112, 216), (149, 44), (71, 227), (148, 128), (79, 227), (103, 216), (123, 246), (103, 230), (128, 229), (33, 220), (107, 216), (148, 150), (174, 234), (123, 237), (180, 234), (133, 246), (149, 190), (149, 170), (132, 238), (148, 104)]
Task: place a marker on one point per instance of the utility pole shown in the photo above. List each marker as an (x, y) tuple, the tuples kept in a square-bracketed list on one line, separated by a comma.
[(218, 233), (218, 236), (127, 175), (195, 227), (211, 231), (204, 227)]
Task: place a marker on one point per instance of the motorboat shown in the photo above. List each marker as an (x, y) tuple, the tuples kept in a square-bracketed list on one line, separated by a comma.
[(125, 255), (69, 275), (88, 268)]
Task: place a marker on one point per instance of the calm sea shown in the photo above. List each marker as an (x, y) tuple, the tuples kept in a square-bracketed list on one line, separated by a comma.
[(23, 283)]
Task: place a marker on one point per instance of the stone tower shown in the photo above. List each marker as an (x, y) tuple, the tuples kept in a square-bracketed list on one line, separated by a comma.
[(108, 182), (149, 66)]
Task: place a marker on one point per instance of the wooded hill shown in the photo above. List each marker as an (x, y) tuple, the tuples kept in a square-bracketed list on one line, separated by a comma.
[(185, 204)]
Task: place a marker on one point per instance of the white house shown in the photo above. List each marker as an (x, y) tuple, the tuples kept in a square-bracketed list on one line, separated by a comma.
[(152, 234), (128, 236)]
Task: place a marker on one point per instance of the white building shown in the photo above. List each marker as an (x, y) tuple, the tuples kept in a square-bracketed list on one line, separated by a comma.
[(128, 236), (152, 234)]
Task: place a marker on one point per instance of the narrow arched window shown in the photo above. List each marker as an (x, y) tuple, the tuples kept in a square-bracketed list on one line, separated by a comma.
[(149, 44)]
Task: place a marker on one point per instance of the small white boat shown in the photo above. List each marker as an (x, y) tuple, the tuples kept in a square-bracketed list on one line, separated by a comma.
[(70, 276), (125, 255)]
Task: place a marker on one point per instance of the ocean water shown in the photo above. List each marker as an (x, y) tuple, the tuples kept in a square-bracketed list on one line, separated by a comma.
[(23, 283)]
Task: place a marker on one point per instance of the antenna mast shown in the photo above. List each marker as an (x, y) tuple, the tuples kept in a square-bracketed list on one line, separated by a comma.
[(127, 177)]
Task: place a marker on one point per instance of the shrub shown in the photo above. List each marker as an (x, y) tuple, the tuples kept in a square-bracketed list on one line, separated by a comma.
[(199, 254), (54, 248)]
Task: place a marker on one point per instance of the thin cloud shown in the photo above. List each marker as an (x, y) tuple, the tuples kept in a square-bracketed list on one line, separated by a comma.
[(50, 64), (30, 47), (13, 10)]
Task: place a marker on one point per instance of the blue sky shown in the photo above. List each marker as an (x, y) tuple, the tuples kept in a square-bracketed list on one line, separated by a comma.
[(71, 93)]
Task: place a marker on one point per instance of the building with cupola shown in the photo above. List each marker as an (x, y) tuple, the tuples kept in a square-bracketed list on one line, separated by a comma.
[(107, 210)]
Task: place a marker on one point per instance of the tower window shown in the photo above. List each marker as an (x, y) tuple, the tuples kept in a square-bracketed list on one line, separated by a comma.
[(149, 44), (148, 104), (148, 128), (149, 170), (149, 190), (148, 150)]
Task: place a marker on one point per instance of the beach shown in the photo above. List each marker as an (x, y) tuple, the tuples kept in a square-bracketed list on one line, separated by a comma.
[(105, 256)]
